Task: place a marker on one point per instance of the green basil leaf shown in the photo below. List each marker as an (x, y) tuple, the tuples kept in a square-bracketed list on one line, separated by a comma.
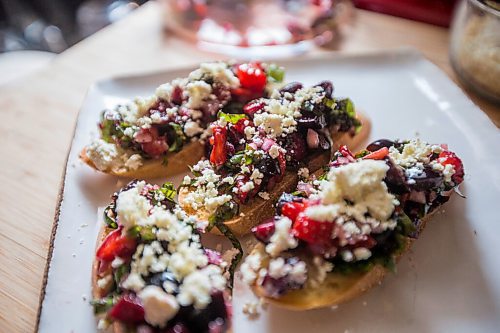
[(275, 73), (102, 305), (231, 118), (178, 137), (109, 217)]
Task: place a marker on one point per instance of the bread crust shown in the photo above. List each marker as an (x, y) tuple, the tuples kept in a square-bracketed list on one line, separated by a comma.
[(177, 162), (260, 209), (336, 289)]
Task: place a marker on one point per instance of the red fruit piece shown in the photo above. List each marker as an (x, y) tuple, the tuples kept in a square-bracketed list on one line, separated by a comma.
[(252, 76), (377, 154), (116, 245), (253, 107), (264, 231), (448, 157), (293, 209), (240, 125), (312, 231), (218, 156), (151, 143), (128, 309)]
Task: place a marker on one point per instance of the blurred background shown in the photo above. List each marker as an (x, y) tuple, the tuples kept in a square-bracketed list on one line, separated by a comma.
[(54, 25), (32, 32)]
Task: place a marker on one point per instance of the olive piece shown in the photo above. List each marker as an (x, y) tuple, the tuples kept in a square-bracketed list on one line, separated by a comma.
[(376, 145), (158, 279), (327, 87), (291, 87)]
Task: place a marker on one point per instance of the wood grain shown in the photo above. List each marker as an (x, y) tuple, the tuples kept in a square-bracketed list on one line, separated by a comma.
[(39, 114)]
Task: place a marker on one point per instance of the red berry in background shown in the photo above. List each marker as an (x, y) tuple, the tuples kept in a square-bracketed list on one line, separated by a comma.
[(218, 156), (264, 231), (312, 231), (448, 157), (252, 76), (116, 245), (128, 309), (293, 209), (253, 107)]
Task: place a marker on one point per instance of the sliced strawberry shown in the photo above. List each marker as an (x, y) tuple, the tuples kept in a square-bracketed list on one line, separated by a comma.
[(218, 156), (378, 154), (264, 231), (252, 76), (128, 309), (312, 231), (242, 124), (253, 107), (115, 245), (342, 156), (293, 209), (345, 151), (448, 157)]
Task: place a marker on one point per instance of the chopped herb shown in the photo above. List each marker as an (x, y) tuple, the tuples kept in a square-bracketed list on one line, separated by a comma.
[(109, 216), (231, 118), (145, 233), (167, 190), (236, 244), (275, 73), (362, 154), (102, 305), (176, 137), (224, 213), (119, 273)]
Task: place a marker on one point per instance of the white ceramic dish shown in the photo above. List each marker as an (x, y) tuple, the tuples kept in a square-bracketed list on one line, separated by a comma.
[(449, 282)]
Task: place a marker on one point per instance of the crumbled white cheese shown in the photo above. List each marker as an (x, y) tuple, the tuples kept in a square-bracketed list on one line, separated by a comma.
[(159, 307), (264, 195), (362, 253), (303, 173), (250, 267), (281, 240), (134, 162), (218, 71), (105, 156), (117, 262), (133, 282), (131, 207), (192, 128), (362, 184), (413, 152), (256, 176), (198, 92), (274, 151), (197, 286)]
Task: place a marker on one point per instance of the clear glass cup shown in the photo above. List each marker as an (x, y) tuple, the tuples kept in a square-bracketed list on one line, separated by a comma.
[(475, 46), (256, 28)]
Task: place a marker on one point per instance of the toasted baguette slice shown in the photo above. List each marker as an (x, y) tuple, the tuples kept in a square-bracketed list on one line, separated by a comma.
[(259, 209), (175, 163), (335, 289)]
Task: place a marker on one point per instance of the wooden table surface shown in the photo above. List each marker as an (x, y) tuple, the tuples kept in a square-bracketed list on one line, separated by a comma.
[(40, 112)]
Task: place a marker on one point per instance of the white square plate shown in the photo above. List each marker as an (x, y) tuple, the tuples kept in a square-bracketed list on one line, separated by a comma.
[(450, 280)]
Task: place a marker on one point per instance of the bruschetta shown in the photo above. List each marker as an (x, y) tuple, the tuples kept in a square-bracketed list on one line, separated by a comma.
[(254, 156), (340, 233), (162, 134), (151, 273)]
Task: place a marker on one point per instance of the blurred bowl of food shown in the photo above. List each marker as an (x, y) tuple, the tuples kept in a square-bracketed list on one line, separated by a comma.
[(475, 46)]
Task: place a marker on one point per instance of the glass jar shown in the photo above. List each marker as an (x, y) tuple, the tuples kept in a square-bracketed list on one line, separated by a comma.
[(475, 46)]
